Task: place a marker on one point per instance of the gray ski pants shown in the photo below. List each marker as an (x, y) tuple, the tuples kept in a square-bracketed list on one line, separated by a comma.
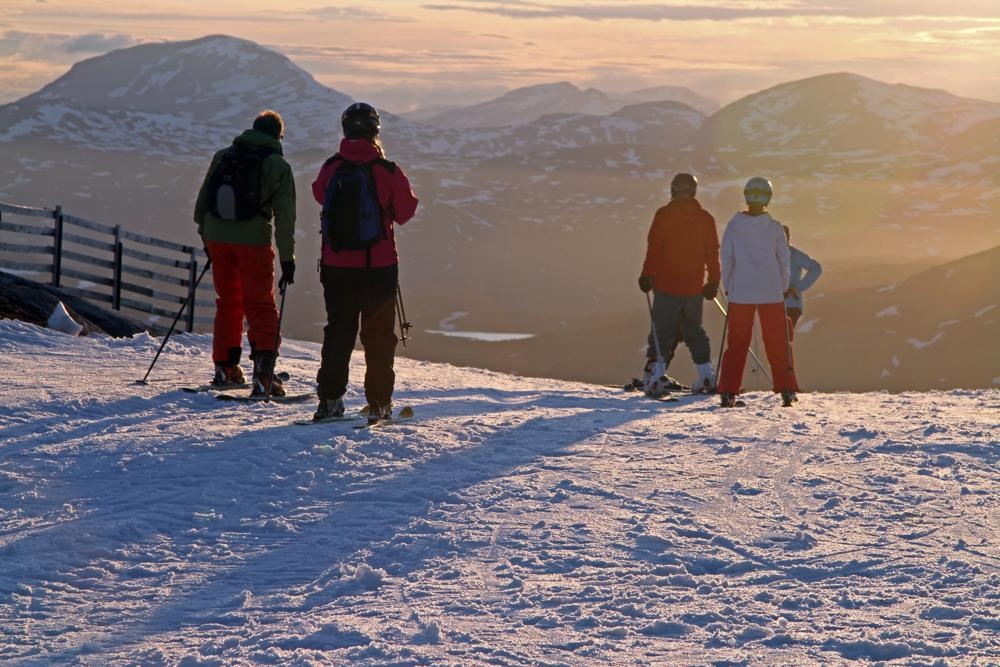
[(678, 318)]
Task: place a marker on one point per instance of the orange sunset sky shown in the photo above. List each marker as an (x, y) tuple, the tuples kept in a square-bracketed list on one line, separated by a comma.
[(403, 54)]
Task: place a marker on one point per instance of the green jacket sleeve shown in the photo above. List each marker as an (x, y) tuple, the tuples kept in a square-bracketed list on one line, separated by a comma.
[(283, 207)]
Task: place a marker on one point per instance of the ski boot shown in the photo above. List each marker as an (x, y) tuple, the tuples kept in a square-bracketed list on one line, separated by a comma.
[(228, 375), (727, 400), (788, 397), (377, 413), (329, 408), (655, 381), (265, 381), (653, 371), (705, 383)]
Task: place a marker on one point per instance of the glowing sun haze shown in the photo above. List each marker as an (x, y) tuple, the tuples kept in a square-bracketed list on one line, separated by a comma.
[(404, 54)]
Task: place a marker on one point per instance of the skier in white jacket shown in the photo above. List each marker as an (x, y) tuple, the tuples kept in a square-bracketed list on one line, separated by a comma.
[(755, 274)]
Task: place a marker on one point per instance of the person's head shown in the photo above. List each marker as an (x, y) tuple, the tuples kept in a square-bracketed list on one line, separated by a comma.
[(757, 193), (360, 121), (271, 123), (788, 233), (683, 186)]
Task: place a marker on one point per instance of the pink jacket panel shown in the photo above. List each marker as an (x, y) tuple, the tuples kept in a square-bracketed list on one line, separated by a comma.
[(394, 193)]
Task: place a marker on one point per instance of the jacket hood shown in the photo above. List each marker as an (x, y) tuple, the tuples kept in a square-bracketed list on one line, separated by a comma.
[(744, 223), (359, 150), (684, 208), (257, 139)]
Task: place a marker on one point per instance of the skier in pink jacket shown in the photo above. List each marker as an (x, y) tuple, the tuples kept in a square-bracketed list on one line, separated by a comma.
[(360, 285), (755, 274)]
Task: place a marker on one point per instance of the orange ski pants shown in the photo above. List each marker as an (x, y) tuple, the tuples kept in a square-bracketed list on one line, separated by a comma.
[(777, 344), (244, 283)]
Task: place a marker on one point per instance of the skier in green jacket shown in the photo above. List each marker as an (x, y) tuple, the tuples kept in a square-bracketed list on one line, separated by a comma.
[(248, 185)]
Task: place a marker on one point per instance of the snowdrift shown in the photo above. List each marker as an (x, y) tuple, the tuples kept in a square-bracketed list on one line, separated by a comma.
[(515, 521)]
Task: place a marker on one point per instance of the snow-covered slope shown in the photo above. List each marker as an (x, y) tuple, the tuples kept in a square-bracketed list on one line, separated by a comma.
[(526, 105), (934, 330), (835, 115), (514, 522)]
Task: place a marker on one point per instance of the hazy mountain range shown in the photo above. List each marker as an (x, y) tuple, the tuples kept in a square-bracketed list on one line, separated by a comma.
[(525, 105), (533, 216)]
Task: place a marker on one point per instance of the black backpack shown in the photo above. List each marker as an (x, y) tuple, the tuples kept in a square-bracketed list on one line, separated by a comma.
[(234, 188), (352, 214)]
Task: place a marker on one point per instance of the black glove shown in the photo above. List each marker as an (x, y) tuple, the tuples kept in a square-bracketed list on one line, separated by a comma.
[(645, 283), (710, 291), (287, 273)]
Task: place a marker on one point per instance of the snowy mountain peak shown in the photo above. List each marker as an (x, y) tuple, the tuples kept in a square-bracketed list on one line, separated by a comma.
[(174, 76), (175, 98), (845, 113)]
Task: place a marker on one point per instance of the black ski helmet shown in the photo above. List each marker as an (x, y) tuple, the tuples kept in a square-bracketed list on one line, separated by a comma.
[(683, 185), (360, 121)]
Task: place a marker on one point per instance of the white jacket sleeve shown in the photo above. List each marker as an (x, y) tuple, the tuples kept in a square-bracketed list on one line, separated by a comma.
[(727, 260), (784, 258)]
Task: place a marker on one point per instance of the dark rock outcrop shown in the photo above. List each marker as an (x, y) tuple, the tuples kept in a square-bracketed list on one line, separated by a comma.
[(30, 301)]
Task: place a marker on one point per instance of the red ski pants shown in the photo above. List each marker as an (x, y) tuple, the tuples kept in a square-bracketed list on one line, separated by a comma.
[(777, 344), (244, 282)]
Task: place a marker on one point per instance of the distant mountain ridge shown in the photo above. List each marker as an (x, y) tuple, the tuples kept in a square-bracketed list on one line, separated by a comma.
[(172, 99), (556, 208), (528, 104)]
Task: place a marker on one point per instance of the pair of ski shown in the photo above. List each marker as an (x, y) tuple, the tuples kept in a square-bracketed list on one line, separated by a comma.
[(675, 396), (670, 395), (247, 398), (240, 385), (404, 414)]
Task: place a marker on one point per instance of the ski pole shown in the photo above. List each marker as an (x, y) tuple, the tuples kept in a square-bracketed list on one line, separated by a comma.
[(753, 355), (722, 345), (652, 324), (788, 340), (404, 326), (189, 298), (277, 340), (659, 369)]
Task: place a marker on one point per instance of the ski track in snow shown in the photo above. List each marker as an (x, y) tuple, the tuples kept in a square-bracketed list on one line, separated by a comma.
[(515, 522)]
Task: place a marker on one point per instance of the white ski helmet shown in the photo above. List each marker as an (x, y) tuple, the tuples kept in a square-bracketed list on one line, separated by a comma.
[(758, 191)]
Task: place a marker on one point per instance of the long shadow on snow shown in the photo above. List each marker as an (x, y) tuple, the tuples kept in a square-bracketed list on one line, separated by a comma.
[(147, 504)]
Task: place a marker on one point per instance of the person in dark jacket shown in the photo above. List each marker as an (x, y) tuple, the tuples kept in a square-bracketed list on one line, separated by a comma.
[(359, 285), (238, 244), (681, 248)]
